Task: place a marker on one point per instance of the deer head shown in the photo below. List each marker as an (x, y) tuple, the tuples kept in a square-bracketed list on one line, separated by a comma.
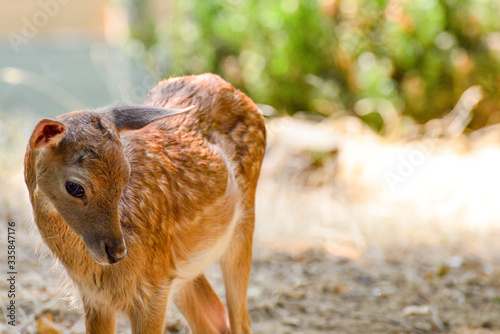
[(82, 169)]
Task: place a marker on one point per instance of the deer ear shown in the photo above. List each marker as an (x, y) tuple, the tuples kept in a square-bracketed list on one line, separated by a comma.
[(136, 117), (47, 132)]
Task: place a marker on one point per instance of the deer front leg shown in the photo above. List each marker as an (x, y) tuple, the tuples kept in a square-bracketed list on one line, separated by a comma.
[(99, 321), (148, 317), (235, 267), (202, 308)]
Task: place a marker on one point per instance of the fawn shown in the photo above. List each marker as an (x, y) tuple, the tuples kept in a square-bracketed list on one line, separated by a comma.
[(136, 202)]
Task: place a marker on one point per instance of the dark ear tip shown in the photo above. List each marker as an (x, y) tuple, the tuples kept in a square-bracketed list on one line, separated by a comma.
[(136, 117)]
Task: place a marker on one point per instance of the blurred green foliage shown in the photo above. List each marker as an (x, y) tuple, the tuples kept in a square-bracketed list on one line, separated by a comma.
[(142, 28), (412, 58)]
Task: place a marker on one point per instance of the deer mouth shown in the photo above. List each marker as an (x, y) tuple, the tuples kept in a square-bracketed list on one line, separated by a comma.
[(107, 251), (115, 254)]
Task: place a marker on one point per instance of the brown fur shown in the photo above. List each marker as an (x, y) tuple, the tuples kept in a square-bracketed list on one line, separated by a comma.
[(179, 192)]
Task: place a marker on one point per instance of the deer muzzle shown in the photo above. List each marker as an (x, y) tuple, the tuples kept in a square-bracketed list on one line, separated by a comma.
[(115, 250), (106, 250)]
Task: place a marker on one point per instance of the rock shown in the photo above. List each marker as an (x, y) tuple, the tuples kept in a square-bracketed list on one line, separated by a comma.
[(416, 310), (291, 321)]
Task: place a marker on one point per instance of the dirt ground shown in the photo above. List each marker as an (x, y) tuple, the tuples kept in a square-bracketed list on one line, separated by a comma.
[(316, 293), (424, 291)]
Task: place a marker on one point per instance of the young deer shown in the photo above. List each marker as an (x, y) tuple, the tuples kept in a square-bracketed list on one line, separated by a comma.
[(136, 202)]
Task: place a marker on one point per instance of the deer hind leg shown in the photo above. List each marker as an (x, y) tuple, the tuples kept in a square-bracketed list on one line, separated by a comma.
[(100, 321), (202, 308), (235, 265)]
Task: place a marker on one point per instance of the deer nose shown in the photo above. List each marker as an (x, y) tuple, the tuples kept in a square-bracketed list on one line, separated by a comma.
[(115, 250)]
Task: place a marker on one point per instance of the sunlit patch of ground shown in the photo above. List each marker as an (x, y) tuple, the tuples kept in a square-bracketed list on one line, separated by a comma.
[(420, 219), (355, 234)]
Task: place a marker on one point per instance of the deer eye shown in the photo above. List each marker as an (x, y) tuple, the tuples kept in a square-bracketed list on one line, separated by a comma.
[(74, 189)]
